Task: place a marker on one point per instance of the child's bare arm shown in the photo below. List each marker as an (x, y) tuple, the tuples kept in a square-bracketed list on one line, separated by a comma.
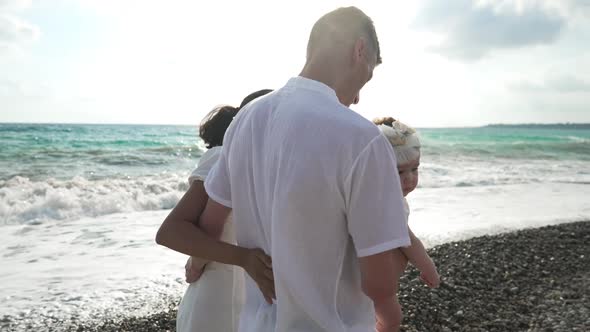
[(417, 255)]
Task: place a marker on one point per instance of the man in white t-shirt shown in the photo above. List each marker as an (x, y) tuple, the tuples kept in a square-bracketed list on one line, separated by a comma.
[(315, 186)]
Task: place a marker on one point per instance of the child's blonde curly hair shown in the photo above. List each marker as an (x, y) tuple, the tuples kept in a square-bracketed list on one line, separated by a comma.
[(403, 138)]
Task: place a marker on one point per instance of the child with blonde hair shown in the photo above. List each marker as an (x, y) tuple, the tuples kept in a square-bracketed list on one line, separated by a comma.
[(406, 145)]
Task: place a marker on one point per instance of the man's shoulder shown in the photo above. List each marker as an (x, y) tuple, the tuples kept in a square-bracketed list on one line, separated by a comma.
[(254, 112), (354, 125), (314, 109)]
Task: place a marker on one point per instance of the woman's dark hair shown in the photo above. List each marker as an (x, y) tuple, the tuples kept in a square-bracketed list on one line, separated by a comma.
[(215, 123), (253, 96)]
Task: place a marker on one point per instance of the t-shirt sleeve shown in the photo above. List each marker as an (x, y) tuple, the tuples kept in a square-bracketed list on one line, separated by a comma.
[(375, 211), (217, 183), (206, 163)]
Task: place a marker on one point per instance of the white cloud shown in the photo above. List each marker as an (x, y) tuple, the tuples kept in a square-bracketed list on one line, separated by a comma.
[(558, 84), (559, 97), (170, 61), (9, 88), (475, 29), (14, 31), (14, 4)]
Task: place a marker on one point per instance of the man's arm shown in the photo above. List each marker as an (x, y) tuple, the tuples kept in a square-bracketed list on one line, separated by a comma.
[(376, 232), (380, 274)]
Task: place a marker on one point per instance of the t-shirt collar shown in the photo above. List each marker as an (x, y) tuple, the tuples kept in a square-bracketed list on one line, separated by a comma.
[(306, 83)]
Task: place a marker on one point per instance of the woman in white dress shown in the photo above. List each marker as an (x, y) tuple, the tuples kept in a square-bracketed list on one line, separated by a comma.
[(215, 295)]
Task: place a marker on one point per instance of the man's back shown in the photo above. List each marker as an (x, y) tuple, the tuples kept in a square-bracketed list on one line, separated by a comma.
[(300, 170)]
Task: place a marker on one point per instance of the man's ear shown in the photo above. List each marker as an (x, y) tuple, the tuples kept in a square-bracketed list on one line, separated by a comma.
[(359, 50)]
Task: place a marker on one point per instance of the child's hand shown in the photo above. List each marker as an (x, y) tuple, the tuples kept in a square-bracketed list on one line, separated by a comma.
[(259, 266), (430, 277), (193, 269)]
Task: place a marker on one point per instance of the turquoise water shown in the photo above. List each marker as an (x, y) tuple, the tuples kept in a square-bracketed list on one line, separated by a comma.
[(67, 171), (508, 142), (39, 151)]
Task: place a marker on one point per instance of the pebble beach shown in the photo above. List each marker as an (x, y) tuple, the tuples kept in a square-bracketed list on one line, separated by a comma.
[(535, 279)]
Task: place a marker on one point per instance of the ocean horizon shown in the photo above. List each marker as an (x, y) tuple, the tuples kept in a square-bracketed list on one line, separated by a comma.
[(579, 125)]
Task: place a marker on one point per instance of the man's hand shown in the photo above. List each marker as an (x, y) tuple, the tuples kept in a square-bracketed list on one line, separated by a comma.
[(392, 325), (259, 266), (193, 269)]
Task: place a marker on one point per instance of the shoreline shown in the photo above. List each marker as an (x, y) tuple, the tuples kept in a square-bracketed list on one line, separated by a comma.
[(536, 279)]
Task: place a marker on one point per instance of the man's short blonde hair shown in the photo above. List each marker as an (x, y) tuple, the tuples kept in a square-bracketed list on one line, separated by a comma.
[(351, 22)]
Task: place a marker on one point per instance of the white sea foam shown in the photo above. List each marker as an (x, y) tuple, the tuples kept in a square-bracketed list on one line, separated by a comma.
[(441, 215), (111, 262), (462, 172), (577, 139), (26, 201), (88, 266)]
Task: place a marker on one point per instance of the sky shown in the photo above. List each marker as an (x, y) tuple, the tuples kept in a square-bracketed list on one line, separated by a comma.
[(445, 63)]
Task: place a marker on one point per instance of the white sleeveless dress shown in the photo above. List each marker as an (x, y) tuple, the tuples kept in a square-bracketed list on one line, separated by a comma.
[(213, 303)]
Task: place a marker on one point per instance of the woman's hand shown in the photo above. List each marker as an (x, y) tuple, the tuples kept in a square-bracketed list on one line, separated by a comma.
[(259, 266), (193, 269)]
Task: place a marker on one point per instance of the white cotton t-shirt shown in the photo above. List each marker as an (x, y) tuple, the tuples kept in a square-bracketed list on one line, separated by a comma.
[(407, 209), (206, 162), (315, 185)]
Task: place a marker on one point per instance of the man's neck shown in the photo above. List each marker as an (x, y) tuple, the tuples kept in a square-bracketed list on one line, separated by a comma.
[(324, 74), (322, 71)]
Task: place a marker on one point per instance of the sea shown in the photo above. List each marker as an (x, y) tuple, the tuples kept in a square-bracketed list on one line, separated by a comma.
[(80, 204)]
